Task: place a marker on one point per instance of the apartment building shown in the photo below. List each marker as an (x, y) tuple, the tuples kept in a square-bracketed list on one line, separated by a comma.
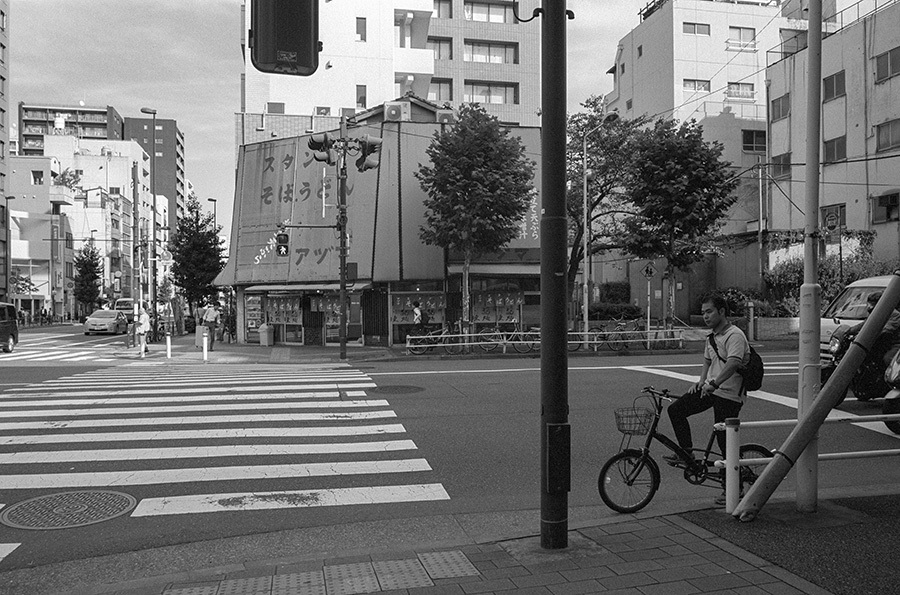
[(4, 149), (37, 120), (449, 51), (167, 145), (860, 134)]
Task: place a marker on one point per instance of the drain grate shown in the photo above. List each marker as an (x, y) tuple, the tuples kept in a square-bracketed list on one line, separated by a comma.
[(67, 510), (397, 389)]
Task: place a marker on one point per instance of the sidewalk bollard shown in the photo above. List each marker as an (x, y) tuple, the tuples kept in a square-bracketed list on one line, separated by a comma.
[(205, 347), (732, 464), (168, 346)]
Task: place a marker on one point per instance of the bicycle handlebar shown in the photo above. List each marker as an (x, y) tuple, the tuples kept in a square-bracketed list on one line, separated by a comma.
[(662, 394)]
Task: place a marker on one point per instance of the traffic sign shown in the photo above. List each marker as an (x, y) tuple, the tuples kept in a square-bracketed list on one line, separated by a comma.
[(649, 271), (831, 221)]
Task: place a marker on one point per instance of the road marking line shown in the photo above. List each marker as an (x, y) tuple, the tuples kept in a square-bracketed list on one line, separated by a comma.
[(202, 452), (51, 399), (191, 379), (205, 389), (210, 407), (293, 499), (190, 420), (22, 356), (307, 432), (775, 398), (62, 355), (7, 548), (243, 472)]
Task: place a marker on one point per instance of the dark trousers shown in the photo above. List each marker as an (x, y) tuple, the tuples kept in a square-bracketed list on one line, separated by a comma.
[(693, 403)]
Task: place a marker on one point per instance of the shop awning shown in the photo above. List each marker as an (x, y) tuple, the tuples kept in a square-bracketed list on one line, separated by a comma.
[(226, 277), (295, 287), (499, 268)]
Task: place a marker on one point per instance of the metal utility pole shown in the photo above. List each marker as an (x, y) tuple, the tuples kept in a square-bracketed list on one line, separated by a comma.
[(342, 230), (151, 251), (555, 429)]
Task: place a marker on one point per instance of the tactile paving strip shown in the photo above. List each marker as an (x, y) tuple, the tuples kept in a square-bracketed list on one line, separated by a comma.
[(401, 574), (67, 509), (258, 585), (449, 564), (299, 583), (348, 579)]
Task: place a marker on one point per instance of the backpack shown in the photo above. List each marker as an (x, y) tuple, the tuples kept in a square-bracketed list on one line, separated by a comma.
[(751, 373), (424, 317)]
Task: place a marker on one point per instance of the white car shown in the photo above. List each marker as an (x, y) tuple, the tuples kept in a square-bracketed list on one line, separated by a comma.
[(848, 308), (106, 321)]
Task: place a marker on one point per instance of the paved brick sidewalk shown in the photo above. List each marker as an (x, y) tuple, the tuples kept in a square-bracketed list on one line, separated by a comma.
[(664, 555)]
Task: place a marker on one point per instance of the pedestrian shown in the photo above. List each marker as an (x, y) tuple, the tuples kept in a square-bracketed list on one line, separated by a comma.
[(418, 320), (720, 386), (143, 326), (211, 321)]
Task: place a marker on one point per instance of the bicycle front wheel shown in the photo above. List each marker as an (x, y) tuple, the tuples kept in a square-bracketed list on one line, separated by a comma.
[(596, 337), (573, 341), (522, 342), (628, 481), (489, 339), (452, 344), (418, 345)]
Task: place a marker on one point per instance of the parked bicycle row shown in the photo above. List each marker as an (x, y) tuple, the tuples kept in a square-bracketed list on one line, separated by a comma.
[(523, 341)]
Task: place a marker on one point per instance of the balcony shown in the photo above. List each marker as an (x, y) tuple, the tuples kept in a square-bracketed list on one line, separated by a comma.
[(736, 45), (740, 95), (61, 195)]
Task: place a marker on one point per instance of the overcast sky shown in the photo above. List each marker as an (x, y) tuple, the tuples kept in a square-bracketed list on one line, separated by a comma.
[(183, 58)]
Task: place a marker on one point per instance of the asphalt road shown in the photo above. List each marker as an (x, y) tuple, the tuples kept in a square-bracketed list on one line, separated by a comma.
[(473, 426)]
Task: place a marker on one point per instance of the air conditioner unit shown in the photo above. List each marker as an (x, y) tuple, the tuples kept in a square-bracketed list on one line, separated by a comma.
[(396, 111), (445, 116)]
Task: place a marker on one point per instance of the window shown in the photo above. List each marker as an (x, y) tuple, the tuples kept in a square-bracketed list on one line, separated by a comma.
[(158, 153), (442, 47), (490, 92), (2, 20), (158, 127), (695, 85), (360, 29), (741, 38), (640, 51), (754, 141), (323, 110), (159, 141), (2, 85), (781, 166), (887, 65), (489, 12), (781, 107), (115, 190), (628, 104), (836, 149), (696, 28), (440, 90), (442, 9), (833, 86), (886, 208), (740, 91), (274, 107), (37, 178), (361, 96), (492, 52), (622, 68), (887, 135)]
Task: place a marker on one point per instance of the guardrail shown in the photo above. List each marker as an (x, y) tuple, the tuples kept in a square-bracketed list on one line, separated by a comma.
[(530, 340), (733, 462)]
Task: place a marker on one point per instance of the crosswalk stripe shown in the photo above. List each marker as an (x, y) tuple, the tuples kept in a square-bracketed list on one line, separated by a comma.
[(19, 356), (211, 407), (193, 379), (201, 452), (7, 548), (167, 476), (209, 419), (244, 433), (51, 399), (293, 499), (195, 390), (62, 355)]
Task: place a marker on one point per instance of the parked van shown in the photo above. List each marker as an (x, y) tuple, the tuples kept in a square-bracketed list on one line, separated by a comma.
[(849, 307), (9, 327)]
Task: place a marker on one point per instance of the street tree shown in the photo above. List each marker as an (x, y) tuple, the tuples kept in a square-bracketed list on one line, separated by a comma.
[(88, 275), (479, 186), (609, 142), (680, 190), (197, 254)]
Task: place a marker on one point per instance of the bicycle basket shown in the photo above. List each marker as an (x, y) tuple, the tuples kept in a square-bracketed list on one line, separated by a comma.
[(634, 421)]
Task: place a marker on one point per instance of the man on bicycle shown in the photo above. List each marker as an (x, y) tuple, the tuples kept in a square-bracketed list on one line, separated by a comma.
[(720, 386)]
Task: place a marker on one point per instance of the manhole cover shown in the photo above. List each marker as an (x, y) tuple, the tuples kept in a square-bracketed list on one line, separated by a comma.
[(67, 510), (397, 389)]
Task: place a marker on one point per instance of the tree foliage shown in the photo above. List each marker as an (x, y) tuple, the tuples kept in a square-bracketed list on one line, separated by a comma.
[(479, 183), (68, 178), (197, 254), (88, 273)]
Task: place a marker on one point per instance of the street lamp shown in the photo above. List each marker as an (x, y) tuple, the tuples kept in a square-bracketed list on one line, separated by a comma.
[(213, 201), (585, 175), (152, 255), (8, 223)]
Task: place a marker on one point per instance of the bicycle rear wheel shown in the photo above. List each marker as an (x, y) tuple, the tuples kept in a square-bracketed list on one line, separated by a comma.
[(489, 339), (596, 337), (573, 341), (628, 481), (418, 345), (616, 341), (451, 344), (749, 474), (522, 342)]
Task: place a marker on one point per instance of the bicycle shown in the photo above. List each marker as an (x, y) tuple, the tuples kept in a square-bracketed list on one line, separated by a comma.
[(418, 345), (629, 480), (490, 339)]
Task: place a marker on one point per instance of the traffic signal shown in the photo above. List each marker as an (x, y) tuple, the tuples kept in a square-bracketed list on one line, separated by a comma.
[(322, 146), (281, 244), (284, 36), (369, 153)]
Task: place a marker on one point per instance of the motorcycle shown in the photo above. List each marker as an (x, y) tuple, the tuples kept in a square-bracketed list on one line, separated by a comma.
[(872, 380)]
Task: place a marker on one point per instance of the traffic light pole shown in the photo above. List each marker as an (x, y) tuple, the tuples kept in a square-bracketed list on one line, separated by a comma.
[(342, 230)]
